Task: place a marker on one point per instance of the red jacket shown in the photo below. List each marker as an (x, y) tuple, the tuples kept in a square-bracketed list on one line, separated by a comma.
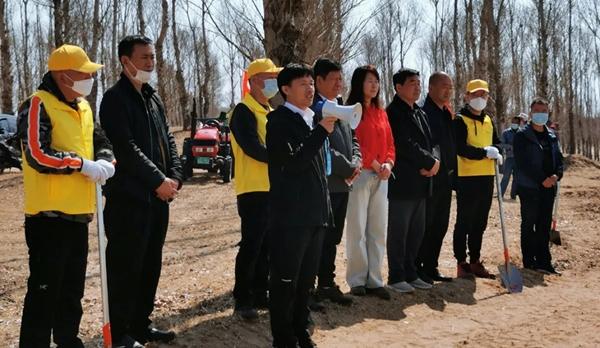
[(375, 137)]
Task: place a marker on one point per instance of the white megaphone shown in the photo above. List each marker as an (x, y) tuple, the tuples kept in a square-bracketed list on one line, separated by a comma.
[(351, 114)]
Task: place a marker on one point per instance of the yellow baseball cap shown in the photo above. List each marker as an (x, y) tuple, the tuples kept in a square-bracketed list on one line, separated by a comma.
[(477, 85), (262, 65), (69, 57)]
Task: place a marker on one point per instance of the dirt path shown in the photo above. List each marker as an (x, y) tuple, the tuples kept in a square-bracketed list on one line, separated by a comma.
[(194, 295)]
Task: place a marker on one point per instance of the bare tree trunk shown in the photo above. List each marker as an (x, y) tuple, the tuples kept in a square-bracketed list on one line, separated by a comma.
[(284, 42), (114, 74), (207, 64), (6, 97), (542, 80), (183, 98), (58, 23), (569, 80), (93, 53), (160, 58), (26, 67), (458, 62), (142, 23)]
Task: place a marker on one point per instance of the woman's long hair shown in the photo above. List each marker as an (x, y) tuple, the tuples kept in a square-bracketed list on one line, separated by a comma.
[(357, 93)]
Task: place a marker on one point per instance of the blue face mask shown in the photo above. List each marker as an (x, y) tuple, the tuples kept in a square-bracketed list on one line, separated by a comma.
[(270, 88), (514, 126), (539, 119)]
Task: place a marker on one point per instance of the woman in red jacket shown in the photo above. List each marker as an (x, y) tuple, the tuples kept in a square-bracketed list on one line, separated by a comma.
[(367, 206)]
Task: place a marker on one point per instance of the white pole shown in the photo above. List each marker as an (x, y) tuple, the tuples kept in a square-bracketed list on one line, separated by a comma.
[(102, 252)]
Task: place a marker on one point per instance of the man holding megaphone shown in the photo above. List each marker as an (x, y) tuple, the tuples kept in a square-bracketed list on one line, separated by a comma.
[(345, 167)]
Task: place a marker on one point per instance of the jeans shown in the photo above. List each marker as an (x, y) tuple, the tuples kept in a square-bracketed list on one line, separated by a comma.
[(509, 169)]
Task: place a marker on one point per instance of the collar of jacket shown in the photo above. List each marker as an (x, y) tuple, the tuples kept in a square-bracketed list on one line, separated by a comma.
[(428, 100), (256, 105), (467, 113), (404, 105), (529, 132), (49, 85), (147, 90)]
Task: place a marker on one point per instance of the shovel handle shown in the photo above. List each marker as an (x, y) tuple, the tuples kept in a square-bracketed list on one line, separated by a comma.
[(501, 207), (106, 333)]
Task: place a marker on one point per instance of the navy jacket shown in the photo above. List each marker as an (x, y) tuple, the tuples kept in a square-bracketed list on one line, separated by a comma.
[(529, 156)]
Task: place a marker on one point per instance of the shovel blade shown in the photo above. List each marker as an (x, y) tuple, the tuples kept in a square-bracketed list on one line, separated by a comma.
[(511, 278), (555, 237)]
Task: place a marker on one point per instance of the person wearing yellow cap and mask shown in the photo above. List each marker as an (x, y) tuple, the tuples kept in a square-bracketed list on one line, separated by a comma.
[(65, 152), (477, 146), (248, 124)]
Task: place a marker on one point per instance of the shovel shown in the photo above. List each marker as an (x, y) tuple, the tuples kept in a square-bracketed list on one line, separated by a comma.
[(103, 280), (508, 272), (554, 233)]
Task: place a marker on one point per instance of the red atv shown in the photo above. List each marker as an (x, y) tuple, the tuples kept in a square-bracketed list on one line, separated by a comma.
[(208, 147)]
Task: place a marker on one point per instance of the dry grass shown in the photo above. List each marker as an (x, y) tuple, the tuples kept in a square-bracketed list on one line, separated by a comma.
[(194, 295)]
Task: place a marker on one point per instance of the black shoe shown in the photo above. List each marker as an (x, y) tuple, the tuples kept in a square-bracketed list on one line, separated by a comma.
[(335, 295), (307, 343), (127, 342), (261, 301), (381, 292), (315, 302), (160, 336), (421, 274), (549, 270), (437, 276), (358, 291), (77, 343), (246, 310)]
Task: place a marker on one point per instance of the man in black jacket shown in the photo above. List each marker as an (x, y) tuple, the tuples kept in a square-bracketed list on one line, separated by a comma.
[(136, 215), (299, 207), (437, 211), (417, 161), (345, 165)]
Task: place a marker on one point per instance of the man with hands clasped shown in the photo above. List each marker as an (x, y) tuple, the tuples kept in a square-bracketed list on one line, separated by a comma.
[(136, 214), (65, 152)]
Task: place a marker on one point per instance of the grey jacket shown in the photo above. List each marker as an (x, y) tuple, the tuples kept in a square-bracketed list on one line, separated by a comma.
[(344, 150)]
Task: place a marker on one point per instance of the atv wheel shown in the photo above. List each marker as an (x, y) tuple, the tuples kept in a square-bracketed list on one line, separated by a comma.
[(188, 164), (226, 171)]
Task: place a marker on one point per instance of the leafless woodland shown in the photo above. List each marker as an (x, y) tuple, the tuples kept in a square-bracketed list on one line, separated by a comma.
[(523, 48)]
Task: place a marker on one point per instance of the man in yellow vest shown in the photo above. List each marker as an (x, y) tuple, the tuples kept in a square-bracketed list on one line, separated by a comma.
[(65, 152), (248, 124), (477, 146)]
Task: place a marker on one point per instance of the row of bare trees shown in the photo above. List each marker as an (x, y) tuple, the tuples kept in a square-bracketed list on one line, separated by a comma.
[(523, 48)]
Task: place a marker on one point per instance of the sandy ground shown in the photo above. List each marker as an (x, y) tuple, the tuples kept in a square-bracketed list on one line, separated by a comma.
[(194, 295)]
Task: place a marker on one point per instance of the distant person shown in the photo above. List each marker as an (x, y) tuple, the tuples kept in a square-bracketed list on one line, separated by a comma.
[(507, 137), (418, 160), (477, 146), (437, 210), (299, 208), (65, 152), (248, 125), (345, 166), (367, 203), (136, 214), (540, 166)]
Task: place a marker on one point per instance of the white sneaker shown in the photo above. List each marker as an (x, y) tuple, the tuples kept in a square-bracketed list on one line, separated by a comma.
[(401, 287), (419, 284)]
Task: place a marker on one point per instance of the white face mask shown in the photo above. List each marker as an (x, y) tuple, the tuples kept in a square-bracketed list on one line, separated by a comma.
[(478, 104), (141, 76), (83, 87)]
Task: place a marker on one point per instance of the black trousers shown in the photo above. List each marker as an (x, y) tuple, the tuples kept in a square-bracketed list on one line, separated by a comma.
[(294, 264), (536, 222), (333, 237), (473, 203), (58, 251), (136, 234), (437, 218), (406, 226), (252, 261)]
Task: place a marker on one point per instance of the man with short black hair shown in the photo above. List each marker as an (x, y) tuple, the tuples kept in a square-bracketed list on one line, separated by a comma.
[(136, 214), (437, 210), (299, 208), (540, 165), (345, 165), (417, 161)]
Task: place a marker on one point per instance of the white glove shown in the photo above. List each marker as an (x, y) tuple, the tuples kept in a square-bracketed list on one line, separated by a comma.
[(110, 169), (500, 159), (491, 152), (94, 171)]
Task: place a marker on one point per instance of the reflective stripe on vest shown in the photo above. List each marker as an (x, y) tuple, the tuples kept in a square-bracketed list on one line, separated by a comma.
[(72, 131), (478, 135)]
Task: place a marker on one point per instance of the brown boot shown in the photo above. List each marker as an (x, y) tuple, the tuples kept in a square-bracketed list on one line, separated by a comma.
[(479, 270)]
